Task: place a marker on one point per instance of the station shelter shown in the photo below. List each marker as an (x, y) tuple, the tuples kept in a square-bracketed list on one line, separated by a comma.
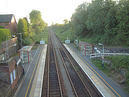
[(25, 54), (86, 48)]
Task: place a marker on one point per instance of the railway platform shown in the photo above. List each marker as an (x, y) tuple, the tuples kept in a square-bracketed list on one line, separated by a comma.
[(101, 84), (36, 89)]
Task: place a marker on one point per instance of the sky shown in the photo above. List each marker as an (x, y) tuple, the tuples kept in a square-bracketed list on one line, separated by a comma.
[(53, 11)]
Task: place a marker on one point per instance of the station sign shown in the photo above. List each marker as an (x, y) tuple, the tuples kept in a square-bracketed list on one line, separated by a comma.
[(42, 42), (67, 41)]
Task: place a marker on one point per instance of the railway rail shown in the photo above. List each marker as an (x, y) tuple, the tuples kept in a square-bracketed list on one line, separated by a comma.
[(52, 86), (80, 83)]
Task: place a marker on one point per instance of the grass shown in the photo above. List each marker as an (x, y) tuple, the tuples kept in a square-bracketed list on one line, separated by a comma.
[(117, 62), (43, 36), (98, 63), (64, 35), (63, 32)]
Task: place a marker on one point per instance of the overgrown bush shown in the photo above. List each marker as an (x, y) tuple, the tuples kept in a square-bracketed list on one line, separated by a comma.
[(4, 35), (27, 41), (106, 20), (119, 62)]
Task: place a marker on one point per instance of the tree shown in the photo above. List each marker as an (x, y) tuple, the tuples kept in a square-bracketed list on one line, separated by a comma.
[(66, 21), (23, 27), (37, 23), (20, 26), (22, 31), (79, 18), (105, 21), (28, 25), (123, 21)]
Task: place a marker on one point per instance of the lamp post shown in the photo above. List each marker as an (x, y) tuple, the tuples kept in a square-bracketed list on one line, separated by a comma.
[(102, 54)]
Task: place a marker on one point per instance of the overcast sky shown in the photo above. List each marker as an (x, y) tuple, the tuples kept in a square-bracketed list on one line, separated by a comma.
[(53, 11)]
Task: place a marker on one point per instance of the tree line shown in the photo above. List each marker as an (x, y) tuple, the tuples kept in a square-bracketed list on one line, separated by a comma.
[(29, 32), (105, 21)]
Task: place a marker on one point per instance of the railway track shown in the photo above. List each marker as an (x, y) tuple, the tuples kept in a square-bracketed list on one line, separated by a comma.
[(53, 87), (78, 77)]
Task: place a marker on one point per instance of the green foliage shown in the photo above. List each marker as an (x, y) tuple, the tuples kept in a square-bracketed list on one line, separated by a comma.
[(123, 21), (27, 41), (119, 62), (78, 20), (1, 27), (23, 31), (63, 31), (35, 16), (66, 21), (31, 32), (98, 63), (104, 21), (37, 23), (4, 35), (20, 26), (41, 36), (23, 27), (27, 24)]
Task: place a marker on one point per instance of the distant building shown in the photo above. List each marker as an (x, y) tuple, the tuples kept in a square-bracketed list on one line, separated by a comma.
[(8, 21)]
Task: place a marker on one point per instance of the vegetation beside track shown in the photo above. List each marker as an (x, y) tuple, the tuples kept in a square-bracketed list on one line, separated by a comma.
[(32, 31), (42, 36), (117, 65), (63, 31), (101, 21)]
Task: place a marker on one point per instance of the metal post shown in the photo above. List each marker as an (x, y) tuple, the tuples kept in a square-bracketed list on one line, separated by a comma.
[(103, 58), (85, 49), (102, 55)]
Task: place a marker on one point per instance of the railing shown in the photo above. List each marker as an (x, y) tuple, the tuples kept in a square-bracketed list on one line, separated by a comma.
[(107, 54)]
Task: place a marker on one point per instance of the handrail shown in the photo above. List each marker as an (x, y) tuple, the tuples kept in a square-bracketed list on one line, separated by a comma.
[(106, 54)]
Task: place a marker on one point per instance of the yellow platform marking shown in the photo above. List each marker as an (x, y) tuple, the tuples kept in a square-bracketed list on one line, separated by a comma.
[(30, 81), (100, 76)]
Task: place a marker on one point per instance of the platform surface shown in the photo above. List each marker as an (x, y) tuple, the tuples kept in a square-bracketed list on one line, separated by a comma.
[(36, 89), (99, 84)]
